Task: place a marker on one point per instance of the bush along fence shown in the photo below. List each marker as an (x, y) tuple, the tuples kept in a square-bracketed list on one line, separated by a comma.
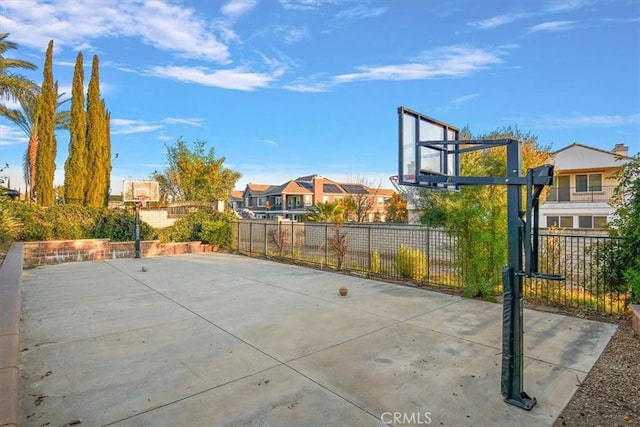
[(426, 256)]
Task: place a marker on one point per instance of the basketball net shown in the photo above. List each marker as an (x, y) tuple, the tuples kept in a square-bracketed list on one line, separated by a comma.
[(143, 201)]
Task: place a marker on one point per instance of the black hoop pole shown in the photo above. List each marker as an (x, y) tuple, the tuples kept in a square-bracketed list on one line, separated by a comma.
[(137, 229), (512, 325)]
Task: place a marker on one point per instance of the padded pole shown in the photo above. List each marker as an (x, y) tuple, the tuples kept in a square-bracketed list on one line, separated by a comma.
[(512, 332), (137, 230)]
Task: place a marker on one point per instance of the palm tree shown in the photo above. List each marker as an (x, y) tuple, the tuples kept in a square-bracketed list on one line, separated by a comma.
[(326, 212), (26, 118), (13, 85)]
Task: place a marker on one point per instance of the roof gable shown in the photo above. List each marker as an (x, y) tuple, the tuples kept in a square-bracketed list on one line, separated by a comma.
[(580, 156)]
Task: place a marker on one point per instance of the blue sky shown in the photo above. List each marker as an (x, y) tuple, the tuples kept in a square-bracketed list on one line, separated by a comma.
[(285, 88)]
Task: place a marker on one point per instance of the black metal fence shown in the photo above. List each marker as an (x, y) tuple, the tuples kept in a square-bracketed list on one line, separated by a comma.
[(427, 256)]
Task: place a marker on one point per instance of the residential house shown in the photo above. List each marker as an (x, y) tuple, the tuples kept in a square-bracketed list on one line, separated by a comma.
[(582, 187), (293, 199)]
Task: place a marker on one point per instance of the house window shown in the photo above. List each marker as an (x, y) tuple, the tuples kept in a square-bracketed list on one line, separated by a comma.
[(325, 199), (278, 200), (308, 200), (262, 201), (560, 221), (599, 221), (380, 201), (590, 182), (585, 222), (592, 221), (246, 201)]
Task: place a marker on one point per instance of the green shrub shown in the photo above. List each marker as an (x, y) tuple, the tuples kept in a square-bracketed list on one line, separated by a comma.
[(214, 229), (410, 263), (33, 217), (9, 228), (632, 275), (71, 222), (119, 226), (217, 233)]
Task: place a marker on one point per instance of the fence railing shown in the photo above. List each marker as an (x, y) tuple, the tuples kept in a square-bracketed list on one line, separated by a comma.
[(592, 194), (429, 258)]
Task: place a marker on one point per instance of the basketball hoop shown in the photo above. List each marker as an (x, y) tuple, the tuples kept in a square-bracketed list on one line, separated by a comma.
[(142, 201)]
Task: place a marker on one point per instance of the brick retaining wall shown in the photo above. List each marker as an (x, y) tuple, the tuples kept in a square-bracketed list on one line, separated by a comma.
[(59, 251)]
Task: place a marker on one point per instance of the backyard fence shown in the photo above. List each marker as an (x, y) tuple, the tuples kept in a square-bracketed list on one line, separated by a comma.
[(427, 256)]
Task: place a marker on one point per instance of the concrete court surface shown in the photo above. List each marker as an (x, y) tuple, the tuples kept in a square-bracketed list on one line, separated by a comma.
[(226, 340)]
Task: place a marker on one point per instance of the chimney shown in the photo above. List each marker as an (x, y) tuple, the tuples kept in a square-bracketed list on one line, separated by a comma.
[(620, 150), (318, 189)]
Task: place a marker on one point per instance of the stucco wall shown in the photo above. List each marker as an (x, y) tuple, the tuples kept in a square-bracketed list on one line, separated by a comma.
[(59, 251)]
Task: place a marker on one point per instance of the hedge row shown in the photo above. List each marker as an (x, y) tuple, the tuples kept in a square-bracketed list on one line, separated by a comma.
[(20, 221)]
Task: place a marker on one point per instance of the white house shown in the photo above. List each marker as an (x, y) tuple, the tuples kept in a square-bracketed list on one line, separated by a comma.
[(582, 187)]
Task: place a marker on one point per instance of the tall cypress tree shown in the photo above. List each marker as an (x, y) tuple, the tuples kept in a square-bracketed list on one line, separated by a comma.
[(94, 188), (107, 154), (46, 151), (75, 168)]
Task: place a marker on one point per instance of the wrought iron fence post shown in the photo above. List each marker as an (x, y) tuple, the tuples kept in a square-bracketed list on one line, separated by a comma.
[(293, 246), (265, 240), (326, 245)]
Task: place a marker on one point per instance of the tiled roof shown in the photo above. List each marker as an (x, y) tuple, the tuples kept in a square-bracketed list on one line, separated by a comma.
[(256, 189), (289, 187), (305, 185)]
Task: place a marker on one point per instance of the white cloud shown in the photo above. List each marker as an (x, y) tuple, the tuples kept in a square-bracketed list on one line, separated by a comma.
[(496, 21), (190, 121), (361, 11), (235, 8), (565, 5), (236, 78), (11, 136), (74, 24), (270, 142), (293, 35), (308, 87), (450, 61), (578, 120), (300, 4), (507, 18), (552, 26), (128, 126), (458, 102)]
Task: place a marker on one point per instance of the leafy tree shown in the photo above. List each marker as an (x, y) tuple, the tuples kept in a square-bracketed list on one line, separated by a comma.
[(620, 258), (26, 118), (45, 162), (75, 168), (477, 214), (13, 85), (98, 143), (195, 175), (397, 209), (326, 212), (358, 204)]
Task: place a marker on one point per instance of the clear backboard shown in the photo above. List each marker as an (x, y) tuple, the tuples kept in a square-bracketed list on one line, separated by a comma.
[(424, 151), (140, 191)]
